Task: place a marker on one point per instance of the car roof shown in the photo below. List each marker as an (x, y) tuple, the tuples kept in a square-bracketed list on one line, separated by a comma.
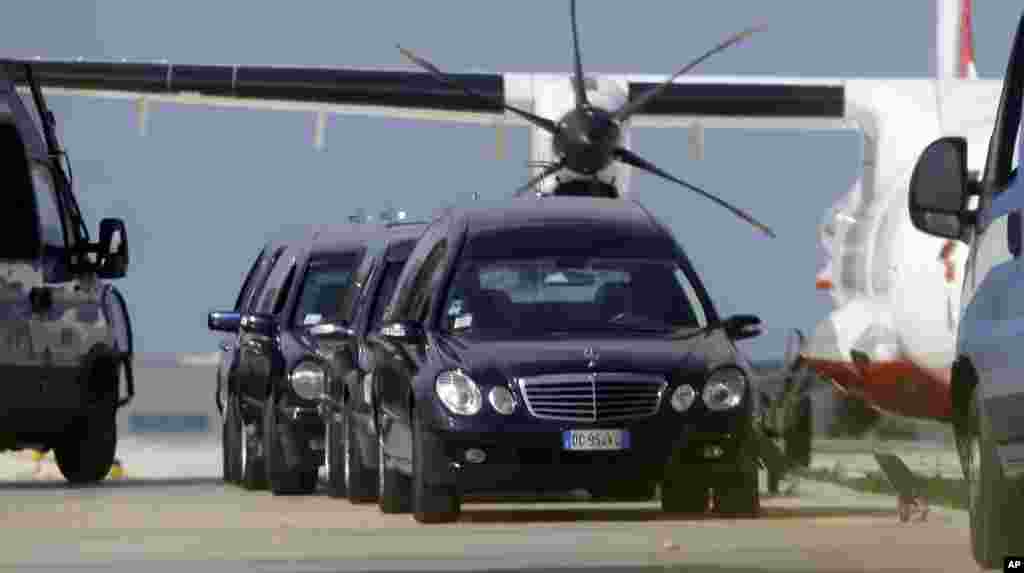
[(566, 225), (506, 213)]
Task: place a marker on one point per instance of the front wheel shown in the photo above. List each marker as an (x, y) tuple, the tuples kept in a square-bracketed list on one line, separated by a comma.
[(334, 446), (685, 490), (994, 505), (431, 503), (302, 481), (231, 442), (87, 453), (360, 480), (738, 496), (393, 488)]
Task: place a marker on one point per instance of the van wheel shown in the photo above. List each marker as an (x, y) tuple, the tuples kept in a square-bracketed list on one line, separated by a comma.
[(302, 481), (86, 454), (994, 505), (360, 480), (431, 504), (393, 488)]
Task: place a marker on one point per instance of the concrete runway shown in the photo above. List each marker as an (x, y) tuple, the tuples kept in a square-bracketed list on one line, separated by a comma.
[(171, 514)]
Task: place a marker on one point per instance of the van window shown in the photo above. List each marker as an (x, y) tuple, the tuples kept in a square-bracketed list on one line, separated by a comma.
[(51, 228)]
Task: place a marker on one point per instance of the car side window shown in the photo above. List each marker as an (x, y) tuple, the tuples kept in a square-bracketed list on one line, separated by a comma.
[(282, 296), (354, 296), (401, 306), (51, 228), (422, 285), (385, 292), (252, 298), (275, 283)]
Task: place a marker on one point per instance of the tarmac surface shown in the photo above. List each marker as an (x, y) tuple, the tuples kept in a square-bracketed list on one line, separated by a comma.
[(170, 512)]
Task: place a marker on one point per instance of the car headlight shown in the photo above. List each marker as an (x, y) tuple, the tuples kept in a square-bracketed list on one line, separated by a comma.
[(502, 400), (724, 389), (683, 397), (308, 380), (458, 393)]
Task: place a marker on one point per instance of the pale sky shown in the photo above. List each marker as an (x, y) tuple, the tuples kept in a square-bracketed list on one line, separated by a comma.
[(201, 191)]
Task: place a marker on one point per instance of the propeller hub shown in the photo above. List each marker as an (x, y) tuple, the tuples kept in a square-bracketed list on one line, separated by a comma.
[(586, 139)]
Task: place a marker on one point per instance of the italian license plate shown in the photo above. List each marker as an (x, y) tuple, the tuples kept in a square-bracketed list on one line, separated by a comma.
[(595, 440)]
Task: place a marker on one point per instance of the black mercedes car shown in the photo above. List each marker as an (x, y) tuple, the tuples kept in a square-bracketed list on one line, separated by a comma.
[(559, 343), (350, 449), (292, 339)]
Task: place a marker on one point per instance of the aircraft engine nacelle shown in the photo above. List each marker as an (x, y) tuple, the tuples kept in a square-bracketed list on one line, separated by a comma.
[(553, 98)]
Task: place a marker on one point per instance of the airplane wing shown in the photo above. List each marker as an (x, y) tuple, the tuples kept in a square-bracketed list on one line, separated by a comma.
[(418, 95), (400, 94)]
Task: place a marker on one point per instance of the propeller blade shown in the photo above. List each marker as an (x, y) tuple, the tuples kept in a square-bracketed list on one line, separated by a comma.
[(637, 104), (550, 170), (543, 123), (630, 158), (577, 80)]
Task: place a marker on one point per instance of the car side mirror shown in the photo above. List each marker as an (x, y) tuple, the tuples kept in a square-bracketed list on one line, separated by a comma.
[(403, 331), (259, 323), (223, 321), (113, 249), (939, 188), (742, 326), (794, 344)]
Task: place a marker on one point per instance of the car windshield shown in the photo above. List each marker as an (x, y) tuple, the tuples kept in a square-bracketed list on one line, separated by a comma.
[(323, 291), (552, 295)]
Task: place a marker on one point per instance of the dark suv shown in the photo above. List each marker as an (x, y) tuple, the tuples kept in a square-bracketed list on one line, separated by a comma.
[(65, 335), (292, 329), (555, 344)]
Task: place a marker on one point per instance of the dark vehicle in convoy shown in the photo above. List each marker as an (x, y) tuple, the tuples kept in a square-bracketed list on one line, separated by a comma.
[(64, 329), (350, 449), (292, 320), (559, 343), (240, 446), (987, 389)]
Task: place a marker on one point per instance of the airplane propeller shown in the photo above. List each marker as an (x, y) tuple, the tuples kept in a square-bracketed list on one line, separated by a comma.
[(588, 138)]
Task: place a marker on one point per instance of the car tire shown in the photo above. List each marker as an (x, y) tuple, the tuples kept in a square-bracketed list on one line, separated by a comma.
[(360, 481), (393, 488), (335, 443), (254, 469), (685, 491), (86, 453), (431, 503), (231, 442), (994, 504), (738, 495), (281, 480)]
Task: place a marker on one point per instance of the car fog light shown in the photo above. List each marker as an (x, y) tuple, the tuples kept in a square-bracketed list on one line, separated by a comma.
[(713, 452), (502, 399), (683, 397), (475, 456)]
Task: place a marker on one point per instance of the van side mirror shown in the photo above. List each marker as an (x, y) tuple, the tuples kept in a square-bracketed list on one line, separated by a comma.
[(113, 249), (938, 189), (742, 326)]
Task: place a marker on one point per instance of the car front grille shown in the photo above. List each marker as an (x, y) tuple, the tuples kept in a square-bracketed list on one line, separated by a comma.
[(592, 396)]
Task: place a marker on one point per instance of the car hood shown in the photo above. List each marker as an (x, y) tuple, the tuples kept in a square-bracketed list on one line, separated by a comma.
[(614, 353)]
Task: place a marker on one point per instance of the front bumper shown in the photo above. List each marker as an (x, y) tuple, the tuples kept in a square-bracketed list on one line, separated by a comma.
[(537, 461)]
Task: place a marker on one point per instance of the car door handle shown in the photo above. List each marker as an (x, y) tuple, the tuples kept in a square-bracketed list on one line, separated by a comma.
[(226, 346)]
